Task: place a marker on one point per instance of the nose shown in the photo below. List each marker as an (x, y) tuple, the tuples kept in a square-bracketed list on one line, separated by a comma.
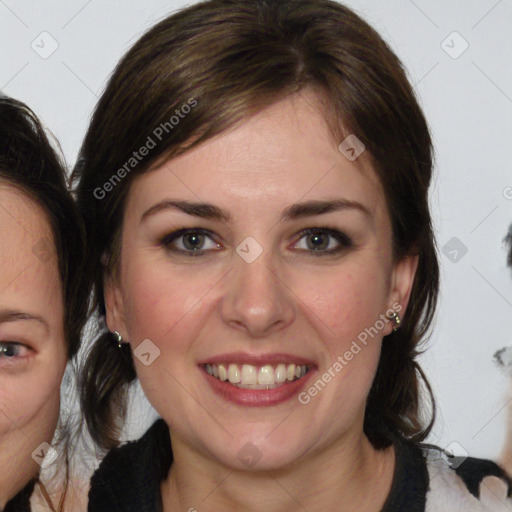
[(257, 300)]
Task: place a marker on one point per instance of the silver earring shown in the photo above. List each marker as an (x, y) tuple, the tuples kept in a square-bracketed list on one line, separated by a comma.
[(395, 318), (119, 339)]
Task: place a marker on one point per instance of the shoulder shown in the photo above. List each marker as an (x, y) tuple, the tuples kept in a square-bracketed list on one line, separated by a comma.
[(465, 484), (130, 475)]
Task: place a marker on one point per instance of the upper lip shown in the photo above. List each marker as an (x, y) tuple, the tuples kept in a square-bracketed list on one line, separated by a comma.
[(256, 359)]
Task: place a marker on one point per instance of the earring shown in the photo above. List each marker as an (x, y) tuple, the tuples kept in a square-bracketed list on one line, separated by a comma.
[(119, 339), (395, 318)]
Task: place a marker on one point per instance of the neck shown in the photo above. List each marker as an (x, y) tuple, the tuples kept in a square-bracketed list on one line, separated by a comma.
[(350, 475)]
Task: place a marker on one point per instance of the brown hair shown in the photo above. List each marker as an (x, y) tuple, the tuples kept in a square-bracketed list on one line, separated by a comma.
[(228, 59)]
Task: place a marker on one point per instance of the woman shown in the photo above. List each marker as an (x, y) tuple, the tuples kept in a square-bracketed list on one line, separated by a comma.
[(254, 186), (41, 304)]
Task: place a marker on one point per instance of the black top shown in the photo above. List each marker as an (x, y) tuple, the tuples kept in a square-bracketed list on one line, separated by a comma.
[(21, 502), (129, 477)]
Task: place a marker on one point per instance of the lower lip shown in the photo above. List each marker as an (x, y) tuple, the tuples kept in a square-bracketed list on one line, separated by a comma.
[(256, 397)]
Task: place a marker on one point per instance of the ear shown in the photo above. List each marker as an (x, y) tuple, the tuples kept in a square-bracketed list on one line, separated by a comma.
[(401, 286), (114, 306)]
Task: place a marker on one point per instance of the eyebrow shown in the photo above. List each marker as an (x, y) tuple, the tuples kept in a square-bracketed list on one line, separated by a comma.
[(7, 315), (294, 211)]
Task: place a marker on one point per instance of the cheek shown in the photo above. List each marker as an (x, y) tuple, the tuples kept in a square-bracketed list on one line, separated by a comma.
[(159, 299), (345, 308), (165, 306), (345, 302), (30, 400)]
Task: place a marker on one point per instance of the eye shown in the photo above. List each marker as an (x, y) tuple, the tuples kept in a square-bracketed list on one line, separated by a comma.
[(198, 241), (321, 241), (11, 350), (192, 241)]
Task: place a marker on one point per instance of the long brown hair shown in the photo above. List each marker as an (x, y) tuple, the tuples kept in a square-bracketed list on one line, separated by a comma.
[(229, 59)]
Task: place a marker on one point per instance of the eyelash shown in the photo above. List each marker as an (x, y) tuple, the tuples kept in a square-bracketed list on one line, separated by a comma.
[(344, 240)]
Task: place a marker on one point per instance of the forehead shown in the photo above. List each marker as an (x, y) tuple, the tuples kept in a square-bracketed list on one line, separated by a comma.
[(285, 153), (29, 276)]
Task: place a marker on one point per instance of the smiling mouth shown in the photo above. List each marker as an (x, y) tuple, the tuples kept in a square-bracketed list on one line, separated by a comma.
[(247, 376)]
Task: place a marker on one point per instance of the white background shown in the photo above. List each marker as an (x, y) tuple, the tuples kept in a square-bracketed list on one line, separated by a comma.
[(467, 100)]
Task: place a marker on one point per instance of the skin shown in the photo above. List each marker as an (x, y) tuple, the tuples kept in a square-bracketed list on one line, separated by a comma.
[(288, 300), (29, 381)]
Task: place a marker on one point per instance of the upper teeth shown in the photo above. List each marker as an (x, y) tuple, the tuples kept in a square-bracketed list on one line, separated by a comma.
[(247, 374)]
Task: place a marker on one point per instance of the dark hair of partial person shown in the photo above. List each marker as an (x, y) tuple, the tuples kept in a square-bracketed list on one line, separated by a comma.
[(30, 162), (234, 58)]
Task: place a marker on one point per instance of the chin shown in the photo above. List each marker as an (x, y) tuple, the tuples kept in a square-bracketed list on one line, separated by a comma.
[(261, 451)]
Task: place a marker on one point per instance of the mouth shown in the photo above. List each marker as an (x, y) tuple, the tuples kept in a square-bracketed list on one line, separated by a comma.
[(256, 377), (257, 380)]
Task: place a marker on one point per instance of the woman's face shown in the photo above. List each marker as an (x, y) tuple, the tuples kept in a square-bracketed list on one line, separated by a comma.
[(32, 346), (256, 298)]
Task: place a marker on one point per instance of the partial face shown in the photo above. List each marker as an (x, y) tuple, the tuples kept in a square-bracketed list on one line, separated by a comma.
[(267, 288), (32, 346)]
